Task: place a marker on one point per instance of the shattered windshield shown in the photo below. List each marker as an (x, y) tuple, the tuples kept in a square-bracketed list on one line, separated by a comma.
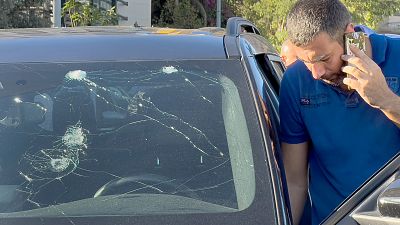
[(123, 138)]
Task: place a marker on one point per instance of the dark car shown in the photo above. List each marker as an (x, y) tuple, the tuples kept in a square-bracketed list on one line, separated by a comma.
[(123, 125)]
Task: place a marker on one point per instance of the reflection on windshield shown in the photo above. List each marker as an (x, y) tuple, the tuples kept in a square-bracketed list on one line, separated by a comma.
[(156, 129)]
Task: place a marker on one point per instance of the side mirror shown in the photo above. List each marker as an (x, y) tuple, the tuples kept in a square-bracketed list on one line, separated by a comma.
[(389, 200)]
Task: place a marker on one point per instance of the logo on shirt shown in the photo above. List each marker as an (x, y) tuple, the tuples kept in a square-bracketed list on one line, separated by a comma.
[(393, 83), (305, 101), (314, 99)]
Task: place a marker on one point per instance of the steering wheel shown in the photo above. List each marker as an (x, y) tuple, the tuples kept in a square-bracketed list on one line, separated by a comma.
[(145, 183)]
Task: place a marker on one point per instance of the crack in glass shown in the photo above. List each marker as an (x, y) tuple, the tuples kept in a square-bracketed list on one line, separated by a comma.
[(45, 166), (48, 165)]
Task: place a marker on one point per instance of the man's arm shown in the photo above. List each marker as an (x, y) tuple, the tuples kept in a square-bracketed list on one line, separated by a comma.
[(369, 81), (391, 108), (295, 159)]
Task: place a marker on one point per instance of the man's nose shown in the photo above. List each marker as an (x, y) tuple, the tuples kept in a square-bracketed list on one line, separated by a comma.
[(317, 70)]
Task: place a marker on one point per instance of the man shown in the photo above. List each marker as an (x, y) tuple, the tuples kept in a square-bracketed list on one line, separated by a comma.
[(288, 53), (334, 136)]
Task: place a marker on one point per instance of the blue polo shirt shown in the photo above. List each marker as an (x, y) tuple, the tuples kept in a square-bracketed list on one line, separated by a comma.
[(349, 140), (368, 31)]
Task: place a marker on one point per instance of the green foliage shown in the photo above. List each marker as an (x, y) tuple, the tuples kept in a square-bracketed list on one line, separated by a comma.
[(270, 15), (371, 13), (181, 15), (84, 14), (156, 7), (5, 8), (24, 13)]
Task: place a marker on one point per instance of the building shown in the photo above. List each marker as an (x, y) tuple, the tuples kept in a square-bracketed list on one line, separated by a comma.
[(390, 25)]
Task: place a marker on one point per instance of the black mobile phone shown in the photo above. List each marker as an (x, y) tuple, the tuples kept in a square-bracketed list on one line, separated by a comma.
[(356, 38)]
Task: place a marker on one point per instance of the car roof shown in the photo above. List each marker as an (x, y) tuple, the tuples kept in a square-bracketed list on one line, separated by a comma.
[(110, 44)]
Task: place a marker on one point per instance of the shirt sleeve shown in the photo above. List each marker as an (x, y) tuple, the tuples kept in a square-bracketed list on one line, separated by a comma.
[(292, 128)]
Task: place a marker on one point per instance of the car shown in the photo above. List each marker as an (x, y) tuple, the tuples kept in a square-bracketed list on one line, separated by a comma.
[(128, 125)]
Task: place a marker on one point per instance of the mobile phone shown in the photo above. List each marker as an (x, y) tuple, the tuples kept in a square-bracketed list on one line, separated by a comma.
[(356, 38)]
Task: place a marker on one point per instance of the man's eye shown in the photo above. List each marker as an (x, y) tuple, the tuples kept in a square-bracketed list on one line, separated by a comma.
[(325, 60)]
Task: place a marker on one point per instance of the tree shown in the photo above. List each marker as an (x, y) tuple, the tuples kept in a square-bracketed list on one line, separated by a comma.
[(24, 13), (180, 14), (5, 8), (270, 15), (371, 13), (76, 13), (205, 10)]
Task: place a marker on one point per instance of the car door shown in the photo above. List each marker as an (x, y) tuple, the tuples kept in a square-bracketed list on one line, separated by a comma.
[(374, 202), (377, 201), (266, 68)]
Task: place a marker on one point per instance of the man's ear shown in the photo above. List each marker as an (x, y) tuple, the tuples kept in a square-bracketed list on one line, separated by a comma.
[(349, 28)]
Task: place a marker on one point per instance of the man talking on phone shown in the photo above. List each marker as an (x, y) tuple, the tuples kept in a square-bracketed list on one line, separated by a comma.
[(334, 139)]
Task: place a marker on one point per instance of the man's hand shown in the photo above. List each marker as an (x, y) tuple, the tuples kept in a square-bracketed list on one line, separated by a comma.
[(367, 78)]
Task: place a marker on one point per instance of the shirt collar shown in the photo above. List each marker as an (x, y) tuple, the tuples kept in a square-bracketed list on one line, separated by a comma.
[(378, 43), (364, 29), (379, 46)]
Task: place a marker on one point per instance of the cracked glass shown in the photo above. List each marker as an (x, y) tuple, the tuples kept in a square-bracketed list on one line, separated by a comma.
[(116, 138)]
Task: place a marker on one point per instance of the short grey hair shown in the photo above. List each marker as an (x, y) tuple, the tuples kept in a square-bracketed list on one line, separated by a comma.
[(308, 18)]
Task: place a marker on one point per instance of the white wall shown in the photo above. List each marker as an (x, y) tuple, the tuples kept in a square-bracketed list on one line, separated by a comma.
[(390, 25), (138, 11)]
